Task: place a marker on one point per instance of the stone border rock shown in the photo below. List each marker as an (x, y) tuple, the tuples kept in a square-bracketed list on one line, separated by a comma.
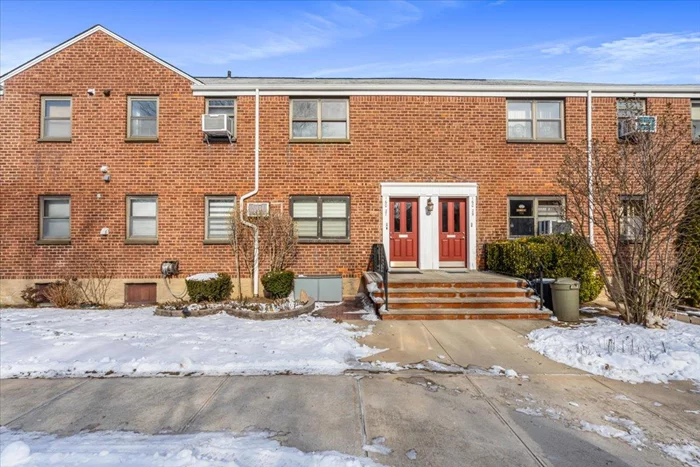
[(238, 313), (248, 314)]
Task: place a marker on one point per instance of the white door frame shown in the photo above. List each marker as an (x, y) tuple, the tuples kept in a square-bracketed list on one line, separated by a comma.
[(428, 222)]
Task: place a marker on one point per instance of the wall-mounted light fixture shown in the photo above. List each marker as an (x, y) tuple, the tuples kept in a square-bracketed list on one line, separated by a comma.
[(430, 206)]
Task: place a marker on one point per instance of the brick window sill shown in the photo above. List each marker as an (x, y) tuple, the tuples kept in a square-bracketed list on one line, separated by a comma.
[(322, 241), (215, 242), (535, 141), (141, 140), (54, 140), (53, 242), (140, 241), (319, 141)]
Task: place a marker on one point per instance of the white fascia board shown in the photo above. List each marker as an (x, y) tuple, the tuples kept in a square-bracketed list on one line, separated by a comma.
[(677, 91), (82, 36), (453, 189)]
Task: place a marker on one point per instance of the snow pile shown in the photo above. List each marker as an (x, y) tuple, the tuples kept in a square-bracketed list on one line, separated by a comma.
[(378, 446), (203, 276), (687, 453), (51, 342), (201, 449), (632, 434), (624, 352)]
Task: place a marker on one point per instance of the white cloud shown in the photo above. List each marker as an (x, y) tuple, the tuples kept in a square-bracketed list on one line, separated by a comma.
[(557, 50), (15, 52)]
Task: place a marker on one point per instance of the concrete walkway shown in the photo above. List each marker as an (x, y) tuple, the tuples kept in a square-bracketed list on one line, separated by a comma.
[(449, 420)]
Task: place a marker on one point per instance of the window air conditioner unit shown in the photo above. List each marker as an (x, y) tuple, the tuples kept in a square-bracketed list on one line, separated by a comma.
[(640, 124), (218, 125), (258, 209), (562, 227)]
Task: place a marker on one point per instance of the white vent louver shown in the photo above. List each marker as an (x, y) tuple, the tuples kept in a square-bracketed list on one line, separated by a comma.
[(258, 209)]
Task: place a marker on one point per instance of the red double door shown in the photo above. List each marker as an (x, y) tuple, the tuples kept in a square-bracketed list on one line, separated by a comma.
[(453, 232), (403, 232)]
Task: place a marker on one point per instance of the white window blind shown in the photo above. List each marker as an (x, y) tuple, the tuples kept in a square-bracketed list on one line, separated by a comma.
[(55, 218), (219, 217)]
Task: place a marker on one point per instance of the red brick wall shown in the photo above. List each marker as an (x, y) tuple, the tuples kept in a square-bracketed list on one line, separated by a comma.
[(393, 138)]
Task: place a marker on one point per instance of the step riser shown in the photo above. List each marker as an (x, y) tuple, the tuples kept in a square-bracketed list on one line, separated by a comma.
[(461, 305), (447, 294), (424, 317), (457, 285)]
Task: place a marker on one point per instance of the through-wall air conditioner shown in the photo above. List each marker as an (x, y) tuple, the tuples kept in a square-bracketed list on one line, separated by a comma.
[(639, 124), (218, 125), (258, 209)]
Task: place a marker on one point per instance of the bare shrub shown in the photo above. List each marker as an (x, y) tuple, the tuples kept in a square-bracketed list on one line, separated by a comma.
[(96, 287), (277, 242), (640, 192), (32, 295), (64, 293)]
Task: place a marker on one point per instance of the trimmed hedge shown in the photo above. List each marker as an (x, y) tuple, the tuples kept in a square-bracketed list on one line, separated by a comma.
[(212, 290), (562, 255), (688, 245), (278, 284)]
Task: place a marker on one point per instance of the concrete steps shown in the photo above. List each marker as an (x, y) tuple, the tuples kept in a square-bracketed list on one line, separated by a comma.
[(441, 295)]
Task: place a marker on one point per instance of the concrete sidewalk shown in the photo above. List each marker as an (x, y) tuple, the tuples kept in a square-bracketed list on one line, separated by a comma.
[(449, 420)]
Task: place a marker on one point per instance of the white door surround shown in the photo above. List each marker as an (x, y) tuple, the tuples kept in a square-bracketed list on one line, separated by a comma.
[(428, 222)]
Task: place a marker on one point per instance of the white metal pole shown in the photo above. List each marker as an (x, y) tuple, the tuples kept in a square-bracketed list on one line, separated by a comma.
[(589, 135), (256, 250)]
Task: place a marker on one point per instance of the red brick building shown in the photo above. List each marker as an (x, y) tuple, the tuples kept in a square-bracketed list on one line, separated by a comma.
[(103, 158)]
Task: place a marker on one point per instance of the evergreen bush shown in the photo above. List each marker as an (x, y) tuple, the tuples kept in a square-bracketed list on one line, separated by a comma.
[(278, 284), (562, 255), (688, 247), (212, 290)]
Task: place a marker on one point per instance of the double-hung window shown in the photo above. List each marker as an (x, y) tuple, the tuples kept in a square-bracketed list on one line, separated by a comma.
[(321, 218), (535, 120), (695, 119), (227, 107), (56, 118), (143, 117), (319, 119), (631, 224), (627, 111), (142, 219), (534, 215), (218, 211), (54, 213)]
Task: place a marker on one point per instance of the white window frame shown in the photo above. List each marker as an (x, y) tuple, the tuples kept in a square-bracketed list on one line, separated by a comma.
[(694, 123), (129, 100), (319, 121), (42, 216), (234, 116), (533, 119), (620, 119), (319, 238), (129, 237), (625, 218), (535, 201), (207, 200), (44, 118)]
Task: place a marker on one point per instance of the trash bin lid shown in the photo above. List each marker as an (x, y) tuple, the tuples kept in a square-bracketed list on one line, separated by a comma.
[(566, 283)]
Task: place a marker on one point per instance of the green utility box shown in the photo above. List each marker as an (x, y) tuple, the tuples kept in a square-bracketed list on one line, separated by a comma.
[(322, 288), (565, 297)]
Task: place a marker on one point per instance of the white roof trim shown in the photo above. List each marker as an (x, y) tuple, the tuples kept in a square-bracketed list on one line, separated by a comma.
[(82, 36), (523, 90)]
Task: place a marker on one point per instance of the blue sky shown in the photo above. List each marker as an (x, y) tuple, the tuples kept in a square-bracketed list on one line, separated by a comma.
[(623, 42)]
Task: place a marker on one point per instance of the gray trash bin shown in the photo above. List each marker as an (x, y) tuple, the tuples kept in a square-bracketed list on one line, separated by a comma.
[(565, 295)]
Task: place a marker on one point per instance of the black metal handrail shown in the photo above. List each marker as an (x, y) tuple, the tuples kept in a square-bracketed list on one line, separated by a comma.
[(540, 269), (379, 264)]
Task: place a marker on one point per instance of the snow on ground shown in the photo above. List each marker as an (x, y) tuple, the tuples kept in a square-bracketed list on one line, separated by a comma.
[(201, 449), (624, 352), (50, 342), (687, 453)]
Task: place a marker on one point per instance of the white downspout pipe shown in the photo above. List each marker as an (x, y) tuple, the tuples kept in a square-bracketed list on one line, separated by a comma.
[(589, 136), (256, 271)]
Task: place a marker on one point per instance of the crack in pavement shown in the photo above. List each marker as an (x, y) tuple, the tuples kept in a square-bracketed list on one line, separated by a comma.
[(47, 402)]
